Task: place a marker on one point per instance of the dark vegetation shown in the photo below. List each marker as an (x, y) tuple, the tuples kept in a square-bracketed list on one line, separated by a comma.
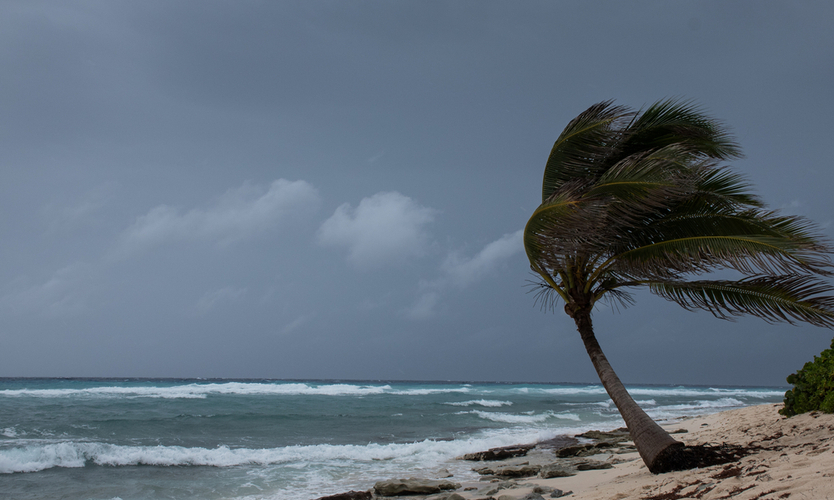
[(813, 386)]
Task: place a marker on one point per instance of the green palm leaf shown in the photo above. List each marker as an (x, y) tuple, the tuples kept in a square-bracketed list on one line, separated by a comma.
[(697, 254), (583, 147), (680, 122), (772, 298), (630, 197)]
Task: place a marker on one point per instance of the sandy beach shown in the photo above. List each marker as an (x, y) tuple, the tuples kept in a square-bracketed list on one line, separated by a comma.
[(790, 458), (795, 460)]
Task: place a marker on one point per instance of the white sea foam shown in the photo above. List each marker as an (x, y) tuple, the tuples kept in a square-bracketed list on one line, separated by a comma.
[(712, 404), (426, 391), (523, 418), (194, 391), (656, 392), (692, 392), (489, 403), (700, 407), (77, 454), (9, 432), (572, 391), (202, 390)]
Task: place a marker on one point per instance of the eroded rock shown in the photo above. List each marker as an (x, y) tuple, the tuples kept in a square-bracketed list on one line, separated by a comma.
[(350, 495), (555, 470), (413, 486), (593, 465), (617, 435), (446, 496), (503, 453)]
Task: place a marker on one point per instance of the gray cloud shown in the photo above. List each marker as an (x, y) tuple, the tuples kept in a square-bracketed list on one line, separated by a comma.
[(294, 325), (464, 271), (213, 298), (460, 272), (65, 293), (425, 305), (124, 124), (383, 229), (66, 218), (239, 214)]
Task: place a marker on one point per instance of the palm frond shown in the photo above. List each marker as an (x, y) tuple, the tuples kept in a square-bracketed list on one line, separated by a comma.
[(723, 188), (680, 122), (583, 147), (635, 199), (640, 185), (748, 254), (562, 226), (772, 298), (615, 297), (546, 298)]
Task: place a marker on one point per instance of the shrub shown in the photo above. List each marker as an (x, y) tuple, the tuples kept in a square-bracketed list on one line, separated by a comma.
[(813, 386)]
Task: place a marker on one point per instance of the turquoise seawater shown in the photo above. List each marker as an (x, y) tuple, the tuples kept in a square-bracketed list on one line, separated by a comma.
[(288, 440)]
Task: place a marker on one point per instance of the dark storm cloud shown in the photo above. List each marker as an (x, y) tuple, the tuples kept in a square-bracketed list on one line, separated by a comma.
[(336, 189)]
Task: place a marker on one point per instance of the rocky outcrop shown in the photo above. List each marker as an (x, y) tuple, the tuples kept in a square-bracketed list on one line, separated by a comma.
[(557, 443), (616, 436), (585, 450), (446, 496), (503, 453), (350, 495), (593, 465), (518, 471), (529, 496), (555, 470), (413, 486), (510, 464)]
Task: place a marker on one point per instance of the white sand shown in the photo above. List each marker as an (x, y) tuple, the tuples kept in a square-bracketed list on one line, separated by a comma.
[(796, 462)]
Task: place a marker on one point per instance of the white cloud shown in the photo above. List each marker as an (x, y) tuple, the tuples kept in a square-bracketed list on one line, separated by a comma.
[(213, 298), (387, 227), (461, 272), (239, 214)]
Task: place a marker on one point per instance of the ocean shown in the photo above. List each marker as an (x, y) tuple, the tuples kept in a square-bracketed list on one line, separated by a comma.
[(289, 440)]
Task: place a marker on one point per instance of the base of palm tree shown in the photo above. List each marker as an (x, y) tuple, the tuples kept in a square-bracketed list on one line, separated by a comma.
[(680, 457)]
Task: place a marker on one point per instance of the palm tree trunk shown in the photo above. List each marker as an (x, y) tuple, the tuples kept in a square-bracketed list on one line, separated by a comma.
[(656, 446)]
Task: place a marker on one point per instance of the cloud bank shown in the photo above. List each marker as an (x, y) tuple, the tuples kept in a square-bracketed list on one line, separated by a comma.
[(213, 298), (239, 214), (65, 293), (461, 272), (385, 228)]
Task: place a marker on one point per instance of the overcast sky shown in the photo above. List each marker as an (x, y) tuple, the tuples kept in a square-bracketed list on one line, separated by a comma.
[(319, 189)]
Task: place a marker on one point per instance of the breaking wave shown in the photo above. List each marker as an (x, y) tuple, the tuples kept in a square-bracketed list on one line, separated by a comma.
[(199, 391), (78, 454), (203, 390), (523, 418), (482, 402)]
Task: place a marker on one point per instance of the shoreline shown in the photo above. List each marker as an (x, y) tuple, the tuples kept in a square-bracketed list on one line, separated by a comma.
[(789, 458)]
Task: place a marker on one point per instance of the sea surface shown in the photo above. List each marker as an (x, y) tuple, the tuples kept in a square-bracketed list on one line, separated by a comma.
[(289, 440)]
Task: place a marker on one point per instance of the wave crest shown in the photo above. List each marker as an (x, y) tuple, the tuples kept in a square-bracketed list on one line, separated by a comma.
[(489, 403), (200, 391)]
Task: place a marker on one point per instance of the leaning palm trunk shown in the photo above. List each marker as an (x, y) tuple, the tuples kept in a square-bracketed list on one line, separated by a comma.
[(639, 200), (656, 446)]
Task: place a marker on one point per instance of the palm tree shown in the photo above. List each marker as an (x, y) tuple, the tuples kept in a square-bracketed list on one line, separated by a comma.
[(641, 200)]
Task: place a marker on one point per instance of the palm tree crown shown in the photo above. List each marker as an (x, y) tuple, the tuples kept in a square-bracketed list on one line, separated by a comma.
[(640, 199), (635, 200)]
